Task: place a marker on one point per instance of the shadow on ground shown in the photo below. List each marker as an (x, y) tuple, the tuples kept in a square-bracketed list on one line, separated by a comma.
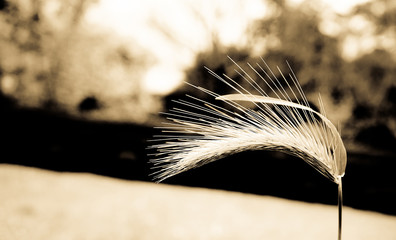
[(60, 143)]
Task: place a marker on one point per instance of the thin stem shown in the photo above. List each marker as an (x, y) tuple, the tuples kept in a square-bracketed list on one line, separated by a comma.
[(339, 208)]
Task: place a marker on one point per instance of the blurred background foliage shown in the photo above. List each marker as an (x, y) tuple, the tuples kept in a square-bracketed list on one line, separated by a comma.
[(50, 60), (65, 76)]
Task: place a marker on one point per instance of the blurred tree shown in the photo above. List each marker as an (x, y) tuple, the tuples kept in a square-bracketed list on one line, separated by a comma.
[(52, 58)]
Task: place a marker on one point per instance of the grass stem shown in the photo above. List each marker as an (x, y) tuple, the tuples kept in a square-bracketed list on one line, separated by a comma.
[(339, 208)]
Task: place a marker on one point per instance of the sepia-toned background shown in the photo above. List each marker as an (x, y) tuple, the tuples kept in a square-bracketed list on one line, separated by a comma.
[(82, 83)]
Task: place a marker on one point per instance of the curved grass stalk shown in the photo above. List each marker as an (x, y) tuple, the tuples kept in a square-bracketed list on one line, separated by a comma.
[(201, 132)]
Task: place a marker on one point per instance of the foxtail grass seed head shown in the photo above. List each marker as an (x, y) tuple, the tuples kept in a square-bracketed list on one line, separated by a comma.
[(201, 132)]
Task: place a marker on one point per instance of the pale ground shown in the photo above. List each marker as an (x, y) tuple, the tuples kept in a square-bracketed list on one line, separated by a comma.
[(38, 204)]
